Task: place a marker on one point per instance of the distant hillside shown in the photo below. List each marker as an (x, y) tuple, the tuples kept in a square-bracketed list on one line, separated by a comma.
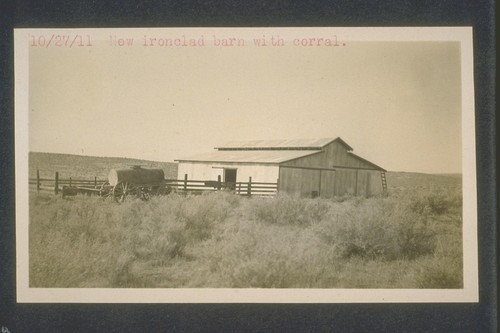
[(406, 180), (88, 167)]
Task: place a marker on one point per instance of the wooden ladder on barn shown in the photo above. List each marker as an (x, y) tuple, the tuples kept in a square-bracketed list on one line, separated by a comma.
[(384, 181)]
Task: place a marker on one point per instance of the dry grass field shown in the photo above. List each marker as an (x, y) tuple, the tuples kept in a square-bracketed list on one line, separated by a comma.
[(410, 238)]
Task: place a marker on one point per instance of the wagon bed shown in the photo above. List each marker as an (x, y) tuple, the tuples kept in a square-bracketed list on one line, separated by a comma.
[(135, 181)]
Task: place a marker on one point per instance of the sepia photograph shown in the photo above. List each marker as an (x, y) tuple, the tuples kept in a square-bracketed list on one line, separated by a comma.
[(170, 165)]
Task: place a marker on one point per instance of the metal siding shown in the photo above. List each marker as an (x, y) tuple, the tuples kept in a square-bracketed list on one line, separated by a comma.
[(309, 182), (362, 180), (198, 171), (368, 190), (289, 181), (369, 183), (327, 184), (210, 171), (339, 187), (375, 183), (300, 182)]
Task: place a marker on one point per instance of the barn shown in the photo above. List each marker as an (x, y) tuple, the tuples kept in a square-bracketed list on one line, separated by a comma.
[(324, 167)]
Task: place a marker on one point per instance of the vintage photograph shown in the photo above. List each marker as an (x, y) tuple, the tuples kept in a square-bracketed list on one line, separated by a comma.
[(245, 164)]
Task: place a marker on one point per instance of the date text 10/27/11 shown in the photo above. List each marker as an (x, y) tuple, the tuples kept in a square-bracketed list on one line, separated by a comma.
[(58, 40)]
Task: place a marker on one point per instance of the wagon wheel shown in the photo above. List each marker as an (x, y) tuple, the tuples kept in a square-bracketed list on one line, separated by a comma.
[(152, 190), (144, 193), (161, 189), (105, 190), (122, 190)]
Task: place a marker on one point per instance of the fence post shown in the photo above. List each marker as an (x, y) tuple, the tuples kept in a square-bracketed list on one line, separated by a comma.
[(249, 191), (356, 184), (95, 181), (185, 181), (69, 182), (319, 185), (56, 185), (277, 185), (37, 180), (218, 183)]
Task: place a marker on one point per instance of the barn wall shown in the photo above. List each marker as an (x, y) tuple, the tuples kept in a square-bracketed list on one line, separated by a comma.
[(209, 171), (358, 182), (299, 182), (303, 182), (327, 184), (374, 184)]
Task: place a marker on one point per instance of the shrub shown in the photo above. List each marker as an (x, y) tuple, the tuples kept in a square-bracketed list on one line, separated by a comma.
[(261, 255), (441, 273), (379, 228), (68, 244), (435, 202), (121, 276), (161, 228), (288, 210), (202, 213)]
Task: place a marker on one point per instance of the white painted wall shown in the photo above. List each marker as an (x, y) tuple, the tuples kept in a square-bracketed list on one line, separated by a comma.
[(209, 171)]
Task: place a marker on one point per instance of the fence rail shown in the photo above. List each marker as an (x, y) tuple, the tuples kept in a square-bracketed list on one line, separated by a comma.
[(242, 188), (92, 186)]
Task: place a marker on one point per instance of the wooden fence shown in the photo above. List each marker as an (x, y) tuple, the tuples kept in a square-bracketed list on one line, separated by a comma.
[(242, 188), (56, 184), (92, 186)]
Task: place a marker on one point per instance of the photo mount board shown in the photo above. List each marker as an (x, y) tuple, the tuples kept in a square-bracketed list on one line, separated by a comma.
[(106, 40)]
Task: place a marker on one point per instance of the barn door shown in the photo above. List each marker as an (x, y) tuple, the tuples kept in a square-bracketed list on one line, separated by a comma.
[(230, 178)]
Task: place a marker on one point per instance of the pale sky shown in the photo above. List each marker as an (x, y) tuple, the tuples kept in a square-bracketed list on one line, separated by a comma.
[(398, 104)]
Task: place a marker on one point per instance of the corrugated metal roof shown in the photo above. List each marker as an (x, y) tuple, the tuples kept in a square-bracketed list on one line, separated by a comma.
[(279, 144), (250, 156)]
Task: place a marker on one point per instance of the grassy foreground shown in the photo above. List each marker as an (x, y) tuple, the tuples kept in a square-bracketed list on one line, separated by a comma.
[(222, 240)]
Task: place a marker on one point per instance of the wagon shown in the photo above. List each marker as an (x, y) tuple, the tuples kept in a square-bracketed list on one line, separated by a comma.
[(136, 181)]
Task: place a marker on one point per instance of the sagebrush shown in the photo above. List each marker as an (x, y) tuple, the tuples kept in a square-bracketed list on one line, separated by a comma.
[(223, 240)]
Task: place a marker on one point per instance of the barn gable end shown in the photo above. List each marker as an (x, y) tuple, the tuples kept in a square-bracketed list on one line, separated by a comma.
[(336, 154), (335, 171)]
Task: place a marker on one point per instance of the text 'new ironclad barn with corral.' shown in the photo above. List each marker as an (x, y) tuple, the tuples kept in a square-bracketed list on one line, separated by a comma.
[(324, 167)]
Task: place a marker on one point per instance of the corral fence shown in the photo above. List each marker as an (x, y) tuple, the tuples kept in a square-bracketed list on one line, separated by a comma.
[(242, 188), (72, 186), (57, 184)]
